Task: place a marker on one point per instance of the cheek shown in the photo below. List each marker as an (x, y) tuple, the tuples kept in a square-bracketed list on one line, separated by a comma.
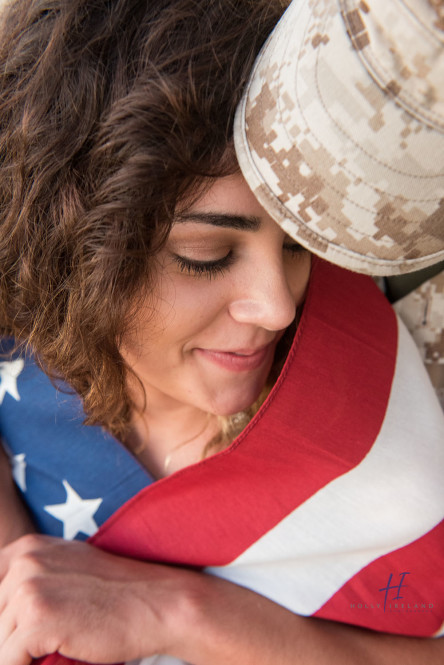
[(300, 276), (194, 300), (179, 308)]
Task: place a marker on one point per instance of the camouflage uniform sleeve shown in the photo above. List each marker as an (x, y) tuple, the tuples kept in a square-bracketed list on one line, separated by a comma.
[(422, 311)]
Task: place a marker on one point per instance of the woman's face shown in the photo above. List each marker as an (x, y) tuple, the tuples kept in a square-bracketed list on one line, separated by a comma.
[(228, 284)]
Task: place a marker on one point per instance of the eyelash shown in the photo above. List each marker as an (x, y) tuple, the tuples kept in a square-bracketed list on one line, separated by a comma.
[(212, 269), (295, 248), (204, 268)]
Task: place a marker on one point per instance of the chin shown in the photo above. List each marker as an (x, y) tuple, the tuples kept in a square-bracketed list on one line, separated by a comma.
[(233, 405)]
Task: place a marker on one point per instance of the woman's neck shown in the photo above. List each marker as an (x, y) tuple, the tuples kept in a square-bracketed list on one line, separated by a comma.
[(167, 441)]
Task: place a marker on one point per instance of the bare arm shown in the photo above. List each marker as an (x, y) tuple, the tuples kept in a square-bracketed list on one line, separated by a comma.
[(101, 608), (252, 630), (14, 519)]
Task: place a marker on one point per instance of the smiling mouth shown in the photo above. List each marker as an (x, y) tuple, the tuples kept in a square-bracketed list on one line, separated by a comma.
[(238, 361)]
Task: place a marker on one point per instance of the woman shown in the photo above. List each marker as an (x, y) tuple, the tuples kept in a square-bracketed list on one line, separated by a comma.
[(140, 270)]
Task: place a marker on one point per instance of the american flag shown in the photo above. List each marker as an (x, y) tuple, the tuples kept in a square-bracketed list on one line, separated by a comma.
[(329, 503)]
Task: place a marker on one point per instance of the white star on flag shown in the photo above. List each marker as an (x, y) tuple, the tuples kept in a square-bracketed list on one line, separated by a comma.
[(9, 372), (19, 470), (76, 513)]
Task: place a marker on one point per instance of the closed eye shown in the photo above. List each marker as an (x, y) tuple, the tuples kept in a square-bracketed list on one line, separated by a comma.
[(204, 268), (294, 248)]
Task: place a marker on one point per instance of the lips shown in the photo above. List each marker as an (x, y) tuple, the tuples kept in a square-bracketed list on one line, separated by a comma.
[(241, 360)]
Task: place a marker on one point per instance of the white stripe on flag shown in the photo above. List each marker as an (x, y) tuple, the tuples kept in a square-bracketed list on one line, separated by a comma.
[(440, 632), (157, 660), (394, 496)]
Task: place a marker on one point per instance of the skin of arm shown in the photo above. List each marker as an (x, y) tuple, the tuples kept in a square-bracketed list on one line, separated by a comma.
[(14, 519), (75, 599)]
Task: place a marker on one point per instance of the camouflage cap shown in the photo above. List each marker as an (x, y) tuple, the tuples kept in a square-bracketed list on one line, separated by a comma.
[(340, 133)]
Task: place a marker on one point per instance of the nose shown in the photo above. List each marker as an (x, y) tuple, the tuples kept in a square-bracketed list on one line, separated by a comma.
[(267, 301)]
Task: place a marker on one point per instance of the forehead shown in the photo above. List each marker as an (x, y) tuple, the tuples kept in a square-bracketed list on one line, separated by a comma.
[(230, 194)]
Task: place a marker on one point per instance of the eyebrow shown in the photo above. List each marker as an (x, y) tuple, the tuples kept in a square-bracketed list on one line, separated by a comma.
[(226, 221)]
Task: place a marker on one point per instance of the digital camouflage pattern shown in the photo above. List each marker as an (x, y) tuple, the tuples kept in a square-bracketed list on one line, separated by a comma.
[(422, 311), (341, 132)]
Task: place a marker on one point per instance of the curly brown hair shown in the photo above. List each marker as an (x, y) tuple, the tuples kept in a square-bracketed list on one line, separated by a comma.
[(111, 111)]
